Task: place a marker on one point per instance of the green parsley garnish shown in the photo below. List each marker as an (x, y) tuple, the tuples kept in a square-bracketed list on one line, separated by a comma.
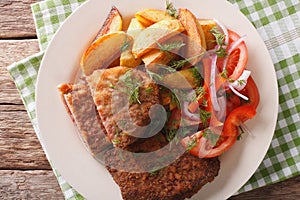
[(149, 89), (131, 87), (191, 144), (224, 73), (204, 115), (134, 97), (171, 10), (220, 37), (241, 82), (153, 76), (210, 136), (168, 47)]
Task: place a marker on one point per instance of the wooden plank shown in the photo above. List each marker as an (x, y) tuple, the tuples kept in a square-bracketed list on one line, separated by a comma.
[(29, 185), (16, 19), (20, 148), (286, 190), (12, 51)]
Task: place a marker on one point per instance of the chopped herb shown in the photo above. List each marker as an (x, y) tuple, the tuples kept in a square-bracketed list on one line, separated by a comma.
[(241, 82), (131, 87), (199, 93), (211, 136), (153, 76), (224, 74), (204, 103), (170, 135), (204, 115), (220, 37), (149, 89), (191, 144), (174, 99), (171, 10), (170, 46), (112, 86), (134, 97), (125, 46), (177, 64)]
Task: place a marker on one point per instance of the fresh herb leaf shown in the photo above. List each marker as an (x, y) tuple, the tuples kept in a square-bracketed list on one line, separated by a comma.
[(131, 87), (153, 76), (191, 144), (112, 86), (170, 135), (149, 89), (224, 73), (241, 82), (199, 93), (174, 99), (168, 47), (177, 64), (220, 37), (211, 136), (204, 116), (171, 10), (154, 170), (134, 97)]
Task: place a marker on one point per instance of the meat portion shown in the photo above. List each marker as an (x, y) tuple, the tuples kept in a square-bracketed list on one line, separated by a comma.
[(82, 110), (123, 98), (180, 180), (183, 178)]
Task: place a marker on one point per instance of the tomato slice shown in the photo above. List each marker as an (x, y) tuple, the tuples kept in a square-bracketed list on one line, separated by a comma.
[(227, 138), (203, 147), (251, 91), (238, 58), (236, 118)]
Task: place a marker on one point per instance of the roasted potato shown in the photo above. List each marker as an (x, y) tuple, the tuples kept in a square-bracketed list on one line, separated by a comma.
[(183, 79), (112, 23), (127, 59), (160, 57), (196, 40), (103, 51), (207, 25), (156, 33), (150, 16)]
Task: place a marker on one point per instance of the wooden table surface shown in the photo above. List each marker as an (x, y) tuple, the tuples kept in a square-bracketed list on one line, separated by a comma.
[(24, 170)]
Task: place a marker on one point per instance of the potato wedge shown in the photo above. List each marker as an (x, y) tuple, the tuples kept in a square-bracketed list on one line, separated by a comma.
[(156, 33), (159, 57), (150, 16), (112, 23), (207, 25), (103, 51), (183, 79), (196, 41), (127, 59)]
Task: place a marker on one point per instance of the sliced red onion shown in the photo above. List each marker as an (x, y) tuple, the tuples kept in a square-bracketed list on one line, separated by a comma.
[(212, 85), (224, 29), (188, 114), (237, 93), (221, 114), (241, 82), (232, 47)]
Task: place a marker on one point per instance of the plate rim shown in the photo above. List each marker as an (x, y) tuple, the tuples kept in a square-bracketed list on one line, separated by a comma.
[(54, 40)]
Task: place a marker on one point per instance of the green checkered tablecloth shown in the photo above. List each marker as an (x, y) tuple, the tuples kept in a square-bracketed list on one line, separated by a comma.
[(277, 22)]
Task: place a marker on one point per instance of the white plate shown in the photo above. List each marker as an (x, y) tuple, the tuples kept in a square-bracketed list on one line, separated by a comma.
[(59, 136)]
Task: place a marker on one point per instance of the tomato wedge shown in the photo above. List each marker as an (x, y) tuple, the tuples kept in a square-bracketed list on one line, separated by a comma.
[(238, 58), (203, 147), (251, 91), (236, 118)]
